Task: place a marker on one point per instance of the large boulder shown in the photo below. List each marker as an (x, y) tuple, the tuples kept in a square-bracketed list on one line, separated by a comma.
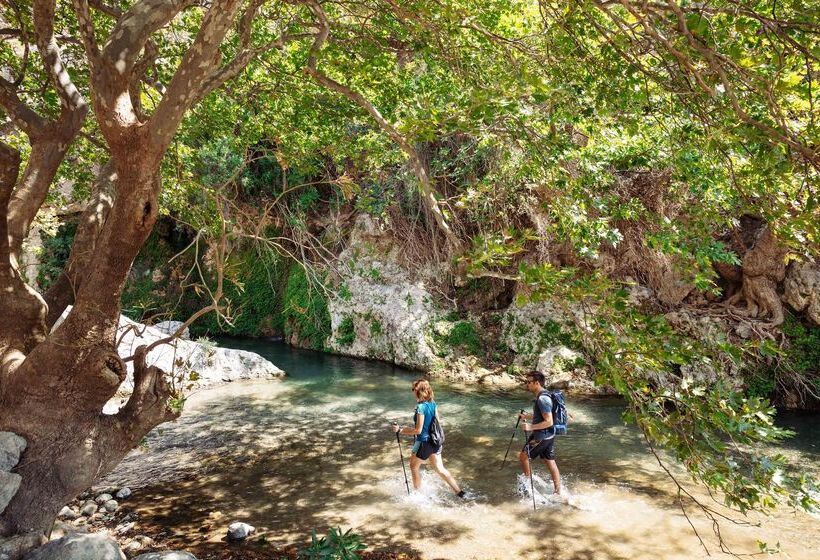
[(170, 327), (9, 484), (802, 289), (380, 309), (92, 546), (11, 447), (15, 547), (194, 364)]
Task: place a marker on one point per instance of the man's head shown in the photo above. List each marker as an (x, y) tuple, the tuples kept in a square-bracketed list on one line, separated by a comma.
[(535, 381)]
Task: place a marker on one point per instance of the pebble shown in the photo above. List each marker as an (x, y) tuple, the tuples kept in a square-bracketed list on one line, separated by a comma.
[(102, 498), (90, 508), (239, 531), (68, 513), (111, 506), (123, 493)]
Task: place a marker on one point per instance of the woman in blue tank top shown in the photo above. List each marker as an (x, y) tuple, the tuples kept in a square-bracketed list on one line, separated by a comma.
[(423, 449)]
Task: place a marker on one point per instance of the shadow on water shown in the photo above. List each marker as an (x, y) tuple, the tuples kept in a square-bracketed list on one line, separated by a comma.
[(314, 451)]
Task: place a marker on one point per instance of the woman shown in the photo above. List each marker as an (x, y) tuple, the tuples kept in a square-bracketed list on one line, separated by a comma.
[(423, 449)]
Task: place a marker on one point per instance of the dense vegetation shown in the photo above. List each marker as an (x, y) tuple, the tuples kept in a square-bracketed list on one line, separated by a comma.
[(567, 149)]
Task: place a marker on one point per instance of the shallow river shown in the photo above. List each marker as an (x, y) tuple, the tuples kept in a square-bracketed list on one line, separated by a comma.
[(313, 451)]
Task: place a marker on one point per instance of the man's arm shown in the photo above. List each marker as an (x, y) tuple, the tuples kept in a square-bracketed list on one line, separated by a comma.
[(546, 412)]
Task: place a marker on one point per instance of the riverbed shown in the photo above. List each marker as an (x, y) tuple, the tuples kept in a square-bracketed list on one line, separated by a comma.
[(314, 451)]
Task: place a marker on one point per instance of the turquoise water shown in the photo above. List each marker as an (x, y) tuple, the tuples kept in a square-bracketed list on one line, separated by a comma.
[(314, 450)]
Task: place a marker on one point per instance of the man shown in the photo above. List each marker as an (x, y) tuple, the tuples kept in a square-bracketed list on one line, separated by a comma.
[(541, 438)]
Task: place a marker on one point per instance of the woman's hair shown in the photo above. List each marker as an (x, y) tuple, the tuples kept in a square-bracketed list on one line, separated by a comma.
[(422, 389)]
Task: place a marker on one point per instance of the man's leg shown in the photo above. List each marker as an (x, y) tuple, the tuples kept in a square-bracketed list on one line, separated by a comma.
[(556, 476), (415, 470), (525, 463), (437, 464)]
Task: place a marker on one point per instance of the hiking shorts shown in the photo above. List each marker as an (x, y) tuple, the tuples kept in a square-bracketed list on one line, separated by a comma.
[(544, 449), (423, 450)]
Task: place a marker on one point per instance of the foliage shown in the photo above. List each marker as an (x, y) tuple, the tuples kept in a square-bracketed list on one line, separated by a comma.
[(464, 335), (304, 309), (346, 333), (253, 296), (56, 250), (718, 434), (337, 545)]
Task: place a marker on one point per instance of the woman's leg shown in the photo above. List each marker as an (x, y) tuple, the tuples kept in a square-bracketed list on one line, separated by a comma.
[(415, 470), (437, 464)]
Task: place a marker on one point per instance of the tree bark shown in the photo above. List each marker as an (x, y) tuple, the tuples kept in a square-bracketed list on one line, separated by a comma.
[(62, 292)]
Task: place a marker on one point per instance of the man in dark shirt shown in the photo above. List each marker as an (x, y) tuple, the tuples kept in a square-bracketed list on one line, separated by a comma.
[(541, 436)]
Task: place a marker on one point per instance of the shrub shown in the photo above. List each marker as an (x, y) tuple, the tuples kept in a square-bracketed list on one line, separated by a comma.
[(304, 310), (347, 332), (335, 546)]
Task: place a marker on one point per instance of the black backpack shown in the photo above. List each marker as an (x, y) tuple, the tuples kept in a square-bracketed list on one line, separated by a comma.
[(436, 432)]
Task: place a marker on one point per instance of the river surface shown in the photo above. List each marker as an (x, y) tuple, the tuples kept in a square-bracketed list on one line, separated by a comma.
[(314, 451)]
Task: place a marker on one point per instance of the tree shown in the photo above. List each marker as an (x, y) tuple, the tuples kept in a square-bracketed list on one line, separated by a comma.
[(77, 364)]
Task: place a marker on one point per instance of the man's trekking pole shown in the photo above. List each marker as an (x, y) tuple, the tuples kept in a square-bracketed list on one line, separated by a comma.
[(511, 439), (532, 488), (398, 441)]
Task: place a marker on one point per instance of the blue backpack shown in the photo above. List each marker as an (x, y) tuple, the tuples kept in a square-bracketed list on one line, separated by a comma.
[(559, 413)]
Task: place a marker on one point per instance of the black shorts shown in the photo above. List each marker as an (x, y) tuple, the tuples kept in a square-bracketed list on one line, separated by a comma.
[(544, 449), (426, 449)]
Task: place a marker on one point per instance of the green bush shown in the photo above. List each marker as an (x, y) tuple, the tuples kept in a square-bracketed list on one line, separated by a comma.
[(335, 546), (253, 295), (56, 251), (347, 332), (304, 310), (464, 335)]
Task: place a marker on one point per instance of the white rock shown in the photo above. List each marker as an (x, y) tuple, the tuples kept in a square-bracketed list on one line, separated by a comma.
[(92, 546), (239, 531), (209, 364), (123, 493), (68, 513), (556, 357), (170, 327), (9, 484), (11, 447), (169, 555), (111, 506), (89, 509), (102, 498)]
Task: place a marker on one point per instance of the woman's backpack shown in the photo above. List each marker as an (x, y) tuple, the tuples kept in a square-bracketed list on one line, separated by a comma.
[(436, 432)]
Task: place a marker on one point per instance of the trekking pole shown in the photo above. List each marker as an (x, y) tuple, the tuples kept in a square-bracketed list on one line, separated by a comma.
[(398, 441), (511, 440), (532, 488)]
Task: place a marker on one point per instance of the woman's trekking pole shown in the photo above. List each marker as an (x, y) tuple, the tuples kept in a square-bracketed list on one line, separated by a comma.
[(407, 484), (511, 439)]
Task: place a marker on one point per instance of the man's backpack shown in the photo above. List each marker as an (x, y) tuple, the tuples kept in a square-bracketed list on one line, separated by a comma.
[(436, 432), (559, 413)]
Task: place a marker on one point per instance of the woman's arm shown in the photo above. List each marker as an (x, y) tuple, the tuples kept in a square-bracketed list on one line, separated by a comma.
[(415, 430)]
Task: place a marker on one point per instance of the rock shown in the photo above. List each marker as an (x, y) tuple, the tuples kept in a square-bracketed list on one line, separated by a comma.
[(123, 493), (14, 548), (68, 513), (9, 484), (528, 329), (558, 358), (169, 555), (111, 506), (102, 498), (204, 364), (170, 327), (802, 289), (89, 509), (92, 546), (239, 531), (11, 447)]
